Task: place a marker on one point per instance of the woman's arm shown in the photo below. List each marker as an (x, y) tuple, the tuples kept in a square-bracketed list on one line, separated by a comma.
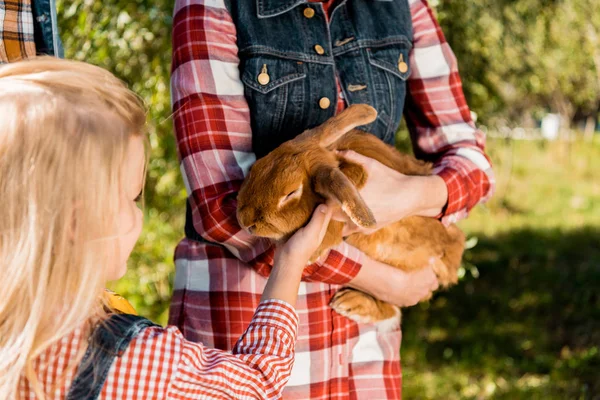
[(439, 119), (442, 131), (392, 196), (394, 286), (214, 138)]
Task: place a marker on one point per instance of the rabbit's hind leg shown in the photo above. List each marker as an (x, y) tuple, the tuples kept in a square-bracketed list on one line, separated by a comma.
[(365, 309)]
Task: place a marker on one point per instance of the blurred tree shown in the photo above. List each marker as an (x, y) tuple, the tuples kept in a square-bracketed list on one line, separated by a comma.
[(523, 57), (131, 38)]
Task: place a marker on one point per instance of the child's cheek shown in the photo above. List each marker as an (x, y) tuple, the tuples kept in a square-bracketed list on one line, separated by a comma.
[(130, 228), (131, 236)]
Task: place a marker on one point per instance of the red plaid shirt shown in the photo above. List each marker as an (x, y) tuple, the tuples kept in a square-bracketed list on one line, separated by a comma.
[(219, 281), (161, 364)]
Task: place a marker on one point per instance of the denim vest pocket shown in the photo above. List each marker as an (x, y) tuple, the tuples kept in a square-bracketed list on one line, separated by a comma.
[(273, 104), (392, 69), (389, 59)]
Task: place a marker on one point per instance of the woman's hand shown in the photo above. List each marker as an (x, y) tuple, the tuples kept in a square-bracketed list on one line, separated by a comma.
[(392, 196), (395, 286), (292, 257)]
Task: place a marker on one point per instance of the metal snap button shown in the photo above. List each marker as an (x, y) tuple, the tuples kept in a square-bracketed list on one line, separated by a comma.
[(324, 103), (402, 66), (309, 12), (263, 77), (319, 49)]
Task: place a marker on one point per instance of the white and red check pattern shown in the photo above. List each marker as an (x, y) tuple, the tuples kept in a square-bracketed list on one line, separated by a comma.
[(160, 364), (219, 281)]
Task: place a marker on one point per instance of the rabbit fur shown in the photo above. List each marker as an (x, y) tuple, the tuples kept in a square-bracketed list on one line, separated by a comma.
[(283, 189)]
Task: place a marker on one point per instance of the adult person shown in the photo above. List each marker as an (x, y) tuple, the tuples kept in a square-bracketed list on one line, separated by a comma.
[(248, 75), (28, 28)]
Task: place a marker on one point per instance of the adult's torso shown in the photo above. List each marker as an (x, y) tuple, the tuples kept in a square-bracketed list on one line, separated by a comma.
[(365, 43)]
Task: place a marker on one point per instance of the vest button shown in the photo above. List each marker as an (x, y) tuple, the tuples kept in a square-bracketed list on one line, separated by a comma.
[(309, 12), (319, 49), (324, 103), (402, 67), (263, 79)]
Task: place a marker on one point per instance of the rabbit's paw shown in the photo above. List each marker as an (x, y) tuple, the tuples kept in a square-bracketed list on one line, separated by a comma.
[(365, 309)]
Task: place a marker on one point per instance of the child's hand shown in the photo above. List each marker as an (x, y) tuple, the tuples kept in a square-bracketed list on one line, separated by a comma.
[(292, 257), (306, 240)]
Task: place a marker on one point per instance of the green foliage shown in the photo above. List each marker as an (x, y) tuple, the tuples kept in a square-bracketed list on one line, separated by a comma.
[(521, 58), (527, 324), (131, 38)]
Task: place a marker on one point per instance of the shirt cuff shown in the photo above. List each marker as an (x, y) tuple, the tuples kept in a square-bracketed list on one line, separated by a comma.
[(279, 314), (456, 197)]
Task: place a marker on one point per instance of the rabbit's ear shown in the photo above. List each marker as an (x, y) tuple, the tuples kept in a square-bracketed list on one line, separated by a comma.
[(331, 183), (353, 116)]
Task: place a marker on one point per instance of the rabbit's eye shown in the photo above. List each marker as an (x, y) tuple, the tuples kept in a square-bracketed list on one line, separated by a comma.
[(291, 194), (295, 194)]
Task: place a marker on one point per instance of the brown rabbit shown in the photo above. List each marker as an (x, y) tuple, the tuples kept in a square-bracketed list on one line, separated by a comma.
[(284, 187)]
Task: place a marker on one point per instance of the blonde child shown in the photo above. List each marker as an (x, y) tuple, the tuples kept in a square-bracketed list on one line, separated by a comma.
[(72, 168)]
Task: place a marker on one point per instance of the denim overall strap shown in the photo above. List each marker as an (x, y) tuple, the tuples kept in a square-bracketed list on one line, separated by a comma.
[(109, 340)]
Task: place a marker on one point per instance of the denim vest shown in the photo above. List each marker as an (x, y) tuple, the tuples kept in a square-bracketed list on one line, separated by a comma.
[(45, 28), (366, 43), (108, 341)]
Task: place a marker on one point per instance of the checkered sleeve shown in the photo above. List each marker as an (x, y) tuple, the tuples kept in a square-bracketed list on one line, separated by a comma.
[(160, 363), (439, 119), (214, 138)]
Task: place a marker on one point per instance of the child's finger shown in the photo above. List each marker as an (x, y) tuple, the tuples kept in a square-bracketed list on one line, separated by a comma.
[(325, 225), (319, 221)]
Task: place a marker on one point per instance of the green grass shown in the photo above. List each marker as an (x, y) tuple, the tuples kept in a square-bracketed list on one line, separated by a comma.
[(524, 322)]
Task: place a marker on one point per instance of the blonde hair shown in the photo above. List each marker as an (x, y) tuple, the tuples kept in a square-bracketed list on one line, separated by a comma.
[(64, 130)]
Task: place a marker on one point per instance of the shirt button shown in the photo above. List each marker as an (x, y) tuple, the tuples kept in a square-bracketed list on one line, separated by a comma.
[(319, 49), (324, 103), (309, 12)]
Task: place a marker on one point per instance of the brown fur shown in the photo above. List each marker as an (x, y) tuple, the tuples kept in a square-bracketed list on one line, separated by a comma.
[(309, 161)]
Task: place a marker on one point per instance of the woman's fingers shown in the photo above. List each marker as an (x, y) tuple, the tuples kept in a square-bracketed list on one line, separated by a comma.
[(357, 158)]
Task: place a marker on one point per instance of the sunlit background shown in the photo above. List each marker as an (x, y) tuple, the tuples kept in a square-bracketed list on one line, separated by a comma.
[(524, 321)]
